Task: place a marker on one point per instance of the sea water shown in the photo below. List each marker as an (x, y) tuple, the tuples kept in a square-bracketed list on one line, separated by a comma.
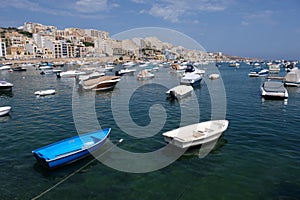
[(256, 158)]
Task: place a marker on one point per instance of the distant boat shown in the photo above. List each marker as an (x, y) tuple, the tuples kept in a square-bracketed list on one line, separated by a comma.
[(179, 91), (101, 83), (5, 67), (196, 134), (19, 69), (192, 79), (5, 86), (71, 149), (292, 78), (144, 75), (92, 75), (258, 71), (273, 90), (45, 92), (129, 64), (125, 71), (263, 72), (4, 110), (274, 68), (70, 74), (214, 76), (234, 64)]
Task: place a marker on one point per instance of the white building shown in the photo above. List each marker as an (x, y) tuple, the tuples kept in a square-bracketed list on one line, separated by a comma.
[(96, 33)]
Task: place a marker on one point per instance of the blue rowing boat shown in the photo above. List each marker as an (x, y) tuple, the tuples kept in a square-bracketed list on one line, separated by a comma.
[(71, 149)]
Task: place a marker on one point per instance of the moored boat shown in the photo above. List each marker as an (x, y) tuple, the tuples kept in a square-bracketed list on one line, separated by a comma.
[(192, 79), (273, 90), (5, 67), (292, 78), (196, 134), (101, 83), (263, 72), (179, 91), (71, 149), (5, 86), (18, 69), (214, 76), (125, 71), (45, 92), (274, 68), (144, 75), (70, 74), (234, 64), (4, 110)]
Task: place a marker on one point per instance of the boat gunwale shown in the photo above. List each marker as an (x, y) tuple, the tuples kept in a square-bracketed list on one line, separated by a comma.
[(41, 156)]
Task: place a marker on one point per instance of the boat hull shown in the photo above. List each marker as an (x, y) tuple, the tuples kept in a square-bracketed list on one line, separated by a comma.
[(192, 79), (293, 84), (4, 110), (196, 134), (273, 91), (45, 156), (5, 86), (179, 92)]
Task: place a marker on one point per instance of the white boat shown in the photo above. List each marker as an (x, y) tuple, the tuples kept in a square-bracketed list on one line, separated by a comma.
[(46, 67), (70, 74), (214, 76), (263, 72), (191, 79), (129, 64), (125, 71), (178, 67), (234, 64), (180, 91), (196, 134), (5, 67), (273, 89), (4, 110), (274, 68), (45, 92), (101, 83), (5, 86), (144, 75), (292, 78), (92, 75)]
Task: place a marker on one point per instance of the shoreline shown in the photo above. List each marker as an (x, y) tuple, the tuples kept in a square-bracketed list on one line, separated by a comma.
[(34, 61)]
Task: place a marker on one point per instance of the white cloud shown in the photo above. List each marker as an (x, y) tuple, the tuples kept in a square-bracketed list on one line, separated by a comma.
[(138, 1), (264, 17), (176, 10), (88, 6), (20, 4)]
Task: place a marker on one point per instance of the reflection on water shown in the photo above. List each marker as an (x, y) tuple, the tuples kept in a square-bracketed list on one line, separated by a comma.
[(5, 118), (217, 147), (6, 94)]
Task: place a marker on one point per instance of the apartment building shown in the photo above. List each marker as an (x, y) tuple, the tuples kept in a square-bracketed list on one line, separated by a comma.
[(2, 49)]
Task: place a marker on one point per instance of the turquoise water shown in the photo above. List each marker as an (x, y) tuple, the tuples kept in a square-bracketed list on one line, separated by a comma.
[(256, 158)]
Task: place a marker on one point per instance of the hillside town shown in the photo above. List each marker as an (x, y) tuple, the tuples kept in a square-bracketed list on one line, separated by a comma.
[(34, 41)]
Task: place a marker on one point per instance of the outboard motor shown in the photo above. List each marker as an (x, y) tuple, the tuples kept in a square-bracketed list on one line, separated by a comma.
[(58, 75), (117, 73), (172, 94), (190, 68)]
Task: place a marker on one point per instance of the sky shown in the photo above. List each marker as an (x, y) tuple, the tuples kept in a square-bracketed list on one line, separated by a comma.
[(266, 29)]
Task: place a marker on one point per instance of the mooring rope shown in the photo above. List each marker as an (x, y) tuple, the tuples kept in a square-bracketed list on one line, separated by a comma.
[(72, 174)]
